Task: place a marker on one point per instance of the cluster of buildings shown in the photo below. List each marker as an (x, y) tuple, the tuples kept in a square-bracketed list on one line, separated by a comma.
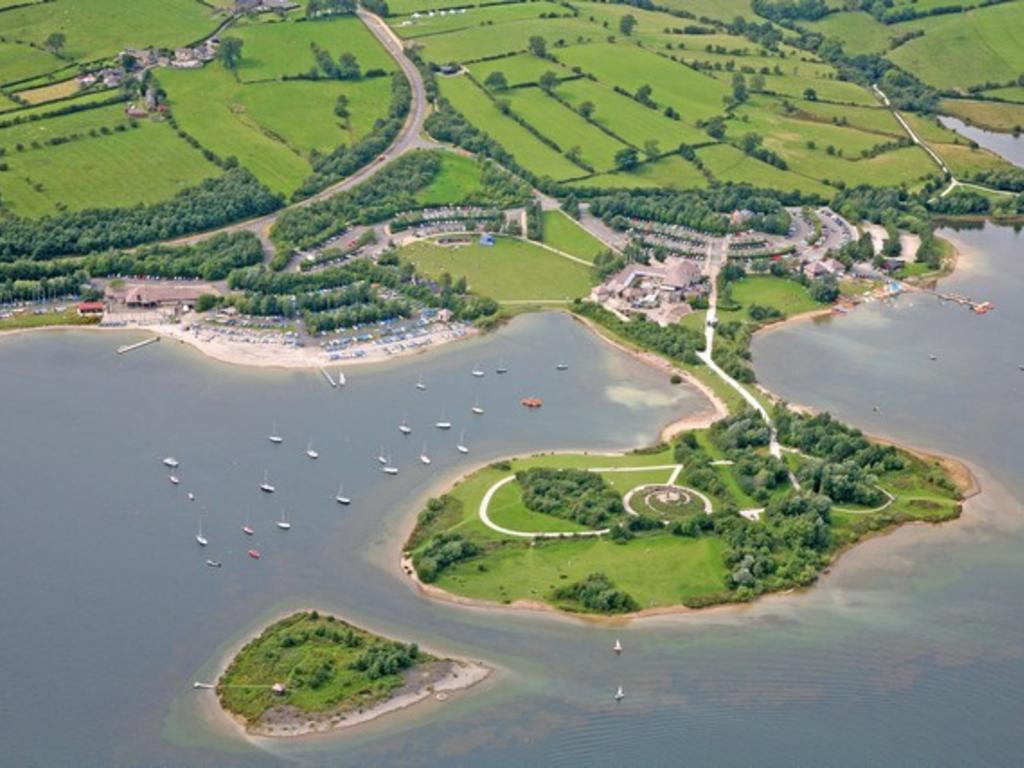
[(660, 291)]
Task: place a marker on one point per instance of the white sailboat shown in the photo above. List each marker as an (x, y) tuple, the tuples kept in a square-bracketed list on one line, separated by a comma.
[(341, 379), (283, 523), (424, 458), (404, 427), (420, 385), (265, 486), (478, 372), (619, 695), (502, 368), (174, 479), (388, 468), (310, 452), (562, 367), (191, 496), (617, 647), (341, 498), (171, 462), (443, 423), (476, 409), (461, 446), (275, 438), (381, 458), (201, 540)]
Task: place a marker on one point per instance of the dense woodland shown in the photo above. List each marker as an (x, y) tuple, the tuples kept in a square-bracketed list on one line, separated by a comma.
[(574, 494)]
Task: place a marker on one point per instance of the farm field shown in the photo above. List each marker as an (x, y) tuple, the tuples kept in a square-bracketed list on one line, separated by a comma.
[(563, 233), (565, 127), (994, 116), (470, 44), (18, 62), (91, 35), (624, 117), (671, 171), (859, 31), (528, 150), (522, 69), (142, 165), (987, 45), (727, 163), (510, 270), (273, 49), (794, 86), (471, 18), (458, 180), (1012, 93), (965, 161), (694, 95)]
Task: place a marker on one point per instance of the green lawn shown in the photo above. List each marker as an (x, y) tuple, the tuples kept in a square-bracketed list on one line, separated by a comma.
[(518, 70), (20, 61), (480, 42), (511, 270), (859, 31), (473, 18), (458, 180), (507, 510), (528, 150), (29, 319), (991, 115), (563, 233), (787, 296), (672, 171), (312, 655), (727, 163)]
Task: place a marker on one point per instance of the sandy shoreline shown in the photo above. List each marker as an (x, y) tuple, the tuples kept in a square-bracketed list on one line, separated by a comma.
[(463, 674)]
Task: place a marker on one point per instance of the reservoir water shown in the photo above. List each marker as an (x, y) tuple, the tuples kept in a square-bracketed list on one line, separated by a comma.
[(910, 652)]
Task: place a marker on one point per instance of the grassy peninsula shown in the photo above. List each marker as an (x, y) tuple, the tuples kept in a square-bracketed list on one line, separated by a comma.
[(312, 672)]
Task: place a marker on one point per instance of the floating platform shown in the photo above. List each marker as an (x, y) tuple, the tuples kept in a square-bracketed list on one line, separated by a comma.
[(137, 345)]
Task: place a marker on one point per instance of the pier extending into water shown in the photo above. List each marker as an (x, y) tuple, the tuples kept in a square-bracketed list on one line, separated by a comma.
[(327, 376), (137, 345)]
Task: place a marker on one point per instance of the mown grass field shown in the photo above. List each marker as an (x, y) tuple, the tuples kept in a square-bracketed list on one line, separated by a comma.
[(727, 163), (527, 149), (991, 115), (518, 70), (859, 31), (18, 62), (275, 49), (510, 270), (472, 18), (458, 180), (563, 233), (141, 165), (788, 296), (483, 41), (29, 319)]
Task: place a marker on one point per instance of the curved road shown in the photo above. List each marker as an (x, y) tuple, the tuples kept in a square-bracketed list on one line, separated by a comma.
[(408, 139)]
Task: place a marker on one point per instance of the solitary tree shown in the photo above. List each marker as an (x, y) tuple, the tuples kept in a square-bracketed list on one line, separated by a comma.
[(496, 81), (810, 94), (348, 67), (538, 47), (548, 81), (626, 159), (626, 24), (341, 107), (739, 88), (643, 94), (587, 109), (54, 42), (230, 52), (651, 148)]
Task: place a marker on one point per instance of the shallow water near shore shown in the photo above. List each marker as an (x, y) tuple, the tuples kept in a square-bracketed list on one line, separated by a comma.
[(910, 652), (1006, 145)]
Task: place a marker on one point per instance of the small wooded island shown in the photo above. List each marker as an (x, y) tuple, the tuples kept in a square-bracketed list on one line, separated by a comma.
[(312, 672)]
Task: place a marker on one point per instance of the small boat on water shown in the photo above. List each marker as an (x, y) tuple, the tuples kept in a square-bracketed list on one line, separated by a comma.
[(171, 462), (420, 385), (476, 409), (341, 379), (404, 427), (174, 479), (562, 367), (502, 368), (341, 498), (388, 468), (203, 686), (381, 458), (461, 445), (247, 530), (191, 496), (933, 357), (265, 486), (310, 452), (619, 694), (478, 372), (254, 554), (443, 423), (275, 438), (201, 540), (424, 458), (214, 563), (617, 647), (283, 523), (532, 402)]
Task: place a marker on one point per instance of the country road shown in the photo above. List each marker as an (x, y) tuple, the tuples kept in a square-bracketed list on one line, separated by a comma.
[(408, 139)]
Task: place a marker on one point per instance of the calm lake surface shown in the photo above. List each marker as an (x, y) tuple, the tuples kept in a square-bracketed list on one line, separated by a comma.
[(1008, 146), (912, 652)]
